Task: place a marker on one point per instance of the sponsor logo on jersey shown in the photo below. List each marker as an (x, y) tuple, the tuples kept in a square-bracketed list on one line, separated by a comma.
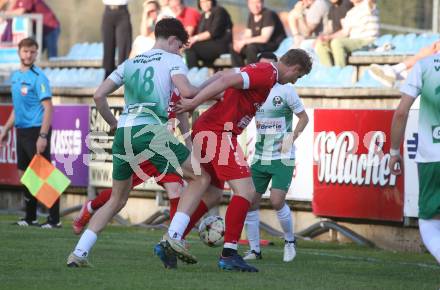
[(436, 134), (271, 125), (24, 90), (277, 101)]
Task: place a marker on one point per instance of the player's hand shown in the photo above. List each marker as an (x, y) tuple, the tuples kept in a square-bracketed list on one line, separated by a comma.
[(41, 145), (185, 105), (396, 165), (113, 128)]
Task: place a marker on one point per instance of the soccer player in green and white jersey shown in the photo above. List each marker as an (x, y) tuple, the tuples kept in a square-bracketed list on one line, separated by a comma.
[(275, 160), (423, 80), (142, 133)]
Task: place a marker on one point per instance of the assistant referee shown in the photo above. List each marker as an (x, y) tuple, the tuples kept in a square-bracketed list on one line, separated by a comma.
[(32, 117)]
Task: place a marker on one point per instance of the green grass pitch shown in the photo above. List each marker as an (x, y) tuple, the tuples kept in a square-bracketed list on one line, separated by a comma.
[(34, 258)]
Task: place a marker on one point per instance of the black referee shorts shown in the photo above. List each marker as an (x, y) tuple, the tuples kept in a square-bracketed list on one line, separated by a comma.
[(27, 146)]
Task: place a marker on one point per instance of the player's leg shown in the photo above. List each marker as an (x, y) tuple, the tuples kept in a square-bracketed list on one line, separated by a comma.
[(244, 194), (282, 172), (122, 183), (173, 185), (90, 206), (252, 223), (429, 206), (430, 232), (211, 198), (261, 179), (198, 181), (121, 189)]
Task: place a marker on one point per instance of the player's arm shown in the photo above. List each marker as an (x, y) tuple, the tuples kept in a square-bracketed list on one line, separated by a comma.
[(303, 120), (100, 98), (211, 91), (409, 90), (183, 125), (398, 126), (289, 139), (9, 124), (186, 89)]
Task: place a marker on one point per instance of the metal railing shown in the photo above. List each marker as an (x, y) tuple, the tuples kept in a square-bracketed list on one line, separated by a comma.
[(35, 20)]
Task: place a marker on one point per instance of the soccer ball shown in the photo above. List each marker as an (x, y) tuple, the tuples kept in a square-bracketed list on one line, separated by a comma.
[(212, 230)]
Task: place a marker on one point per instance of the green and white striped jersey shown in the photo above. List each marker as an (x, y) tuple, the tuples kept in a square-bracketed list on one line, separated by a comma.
[(148, 86), (424, 80), (274, 120)]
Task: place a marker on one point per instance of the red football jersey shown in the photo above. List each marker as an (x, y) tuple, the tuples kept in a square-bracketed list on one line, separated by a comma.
[(175, 98), (239, 106)]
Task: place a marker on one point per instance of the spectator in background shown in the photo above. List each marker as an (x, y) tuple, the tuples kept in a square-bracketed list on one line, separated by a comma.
[(389, 74), (264, 32), (145, 41), (360, 27), (51, 25), (116, 32), (189, 16), (165, 10), (32, 117), (5, 24), (338, 10), (214, 35), (307, 19)]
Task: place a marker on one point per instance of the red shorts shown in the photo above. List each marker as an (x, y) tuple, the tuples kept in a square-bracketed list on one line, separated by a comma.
[(221, 156), (151, 171)]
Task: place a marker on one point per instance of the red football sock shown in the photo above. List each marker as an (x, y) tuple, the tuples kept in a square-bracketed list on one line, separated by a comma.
[(198, 213), (101, 199), (173, 206), (235, 217)]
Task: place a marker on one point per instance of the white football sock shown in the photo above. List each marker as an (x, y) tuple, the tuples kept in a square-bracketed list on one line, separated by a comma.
[(178, 225), (285, 218), (85, 244), (252, 223), (430, 232), (230, 246), (89, 207)]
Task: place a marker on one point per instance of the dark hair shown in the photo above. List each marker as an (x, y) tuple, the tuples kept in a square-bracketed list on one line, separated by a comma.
[(267, 55), (27, 42), (171, 27), (214, 3), (297, 56)]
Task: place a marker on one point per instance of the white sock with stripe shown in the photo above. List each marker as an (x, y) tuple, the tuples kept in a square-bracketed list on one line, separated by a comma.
[(178, 225), (85, 244), (252, 223)]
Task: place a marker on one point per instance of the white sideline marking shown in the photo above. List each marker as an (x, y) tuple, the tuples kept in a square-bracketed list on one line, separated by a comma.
[(367, 259)]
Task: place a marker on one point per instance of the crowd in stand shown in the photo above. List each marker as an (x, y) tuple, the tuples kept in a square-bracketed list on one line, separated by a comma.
[(330, 29)]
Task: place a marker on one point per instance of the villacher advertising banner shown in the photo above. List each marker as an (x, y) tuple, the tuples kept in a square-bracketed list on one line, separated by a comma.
[(351, 175)]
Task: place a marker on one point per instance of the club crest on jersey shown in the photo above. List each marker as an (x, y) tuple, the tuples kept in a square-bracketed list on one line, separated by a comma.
[(24, 90), (277, 101), (257, 106)]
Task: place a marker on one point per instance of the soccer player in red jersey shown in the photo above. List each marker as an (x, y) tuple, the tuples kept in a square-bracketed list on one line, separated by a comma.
[(215, 145)]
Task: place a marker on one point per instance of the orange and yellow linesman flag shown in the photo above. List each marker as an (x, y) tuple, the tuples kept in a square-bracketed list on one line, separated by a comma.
[(44, 180)]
